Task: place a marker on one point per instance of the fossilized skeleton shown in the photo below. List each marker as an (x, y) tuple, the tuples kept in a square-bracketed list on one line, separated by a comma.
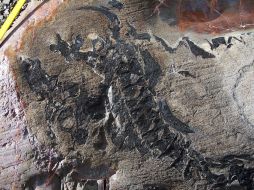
[(106, 97)]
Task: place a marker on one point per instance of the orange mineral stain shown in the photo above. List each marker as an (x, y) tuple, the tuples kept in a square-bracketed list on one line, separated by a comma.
[(211, 16)]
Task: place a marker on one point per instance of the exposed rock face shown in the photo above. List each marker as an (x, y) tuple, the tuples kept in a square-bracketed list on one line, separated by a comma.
[(100, 97)]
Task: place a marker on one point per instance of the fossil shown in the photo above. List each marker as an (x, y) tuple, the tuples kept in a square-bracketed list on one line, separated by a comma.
[(109, 95)]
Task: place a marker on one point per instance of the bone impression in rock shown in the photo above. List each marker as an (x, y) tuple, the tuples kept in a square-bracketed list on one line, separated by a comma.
[(129, 94)]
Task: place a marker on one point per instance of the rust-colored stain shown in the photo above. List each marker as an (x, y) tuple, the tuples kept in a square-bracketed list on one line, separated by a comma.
[(210, 16), (45, 14), (41, 14)]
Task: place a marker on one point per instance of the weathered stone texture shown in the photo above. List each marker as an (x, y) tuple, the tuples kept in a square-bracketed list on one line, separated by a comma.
[(104, 95)]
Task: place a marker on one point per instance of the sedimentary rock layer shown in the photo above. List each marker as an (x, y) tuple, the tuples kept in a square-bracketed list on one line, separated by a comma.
[(109, 95)]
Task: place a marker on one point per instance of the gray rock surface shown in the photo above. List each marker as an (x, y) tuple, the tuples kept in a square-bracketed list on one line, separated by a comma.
[(106, 96)]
